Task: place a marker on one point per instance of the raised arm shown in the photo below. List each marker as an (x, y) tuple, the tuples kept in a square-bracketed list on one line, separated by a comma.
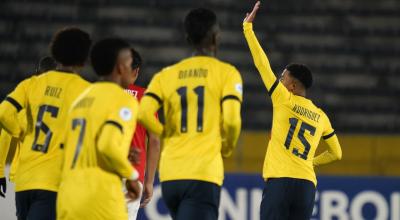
[(259, 57)]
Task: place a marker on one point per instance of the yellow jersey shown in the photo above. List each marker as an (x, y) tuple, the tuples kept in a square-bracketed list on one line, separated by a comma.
[(98, 136), (46, 98), (297, 124), (191, 93)]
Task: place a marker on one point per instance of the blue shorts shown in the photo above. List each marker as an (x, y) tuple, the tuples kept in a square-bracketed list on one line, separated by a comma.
[(36, 204), (287, 198), (191, 199)]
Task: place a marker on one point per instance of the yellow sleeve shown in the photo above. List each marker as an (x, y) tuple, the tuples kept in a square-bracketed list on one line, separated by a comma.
[(9, 119), (231, 126), (115, 138), (231, 118), (334, 151), (149, 105), (5, 141), (276, 90), (15, 143), (233, 86), (9, 108)]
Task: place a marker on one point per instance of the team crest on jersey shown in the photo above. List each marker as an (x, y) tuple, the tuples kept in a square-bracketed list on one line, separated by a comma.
[(125, 113), (239, 88)]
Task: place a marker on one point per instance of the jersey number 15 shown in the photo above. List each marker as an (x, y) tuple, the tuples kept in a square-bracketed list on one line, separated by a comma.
[(304, 126)]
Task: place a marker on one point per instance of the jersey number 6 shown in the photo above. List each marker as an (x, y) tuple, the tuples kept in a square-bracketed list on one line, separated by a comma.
[(41, 126)]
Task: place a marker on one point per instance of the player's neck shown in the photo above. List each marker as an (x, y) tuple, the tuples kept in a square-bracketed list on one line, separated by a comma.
[(301, 93), (203, 51), (110, 78), (69, 69)]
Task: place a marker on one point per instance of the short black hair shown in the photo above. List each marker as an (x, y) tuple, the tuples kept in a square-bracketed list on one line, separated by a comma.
[(198, 24), (302, 73), (105, 53), (45, 64), (137, 59), (70, 46)]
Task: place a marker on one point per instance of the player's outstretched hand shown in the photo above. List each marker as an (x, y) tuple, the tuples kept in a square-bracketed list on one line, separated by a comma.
[(147, 194), (133, 188), (250, 16), (3, 187)]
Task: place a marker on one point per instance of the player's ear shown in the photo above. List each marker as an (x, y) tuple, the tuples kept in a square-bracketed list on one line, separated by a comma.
[(136, 72), (120, 68)]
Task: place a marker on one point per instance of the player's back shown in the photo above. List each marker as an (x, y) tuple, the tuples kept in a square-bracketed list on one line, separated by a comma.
[(46, 98), (86, 170), (297, 128), (191, 93)]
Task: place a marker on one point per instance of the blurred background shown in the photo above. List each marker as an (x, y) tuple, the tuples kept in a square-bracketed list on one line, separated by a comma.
[(351, 46)]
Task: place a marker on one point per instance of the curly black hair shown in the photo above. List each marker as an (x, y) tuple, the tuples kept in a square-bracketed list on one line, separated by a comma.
[(302, 73), (70, 46)]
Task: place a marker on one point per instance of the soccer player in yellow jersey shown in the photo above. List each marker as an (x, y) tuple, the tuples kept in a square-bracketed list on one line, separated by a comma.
[(201, 97), (99, 132), (9, 144), (297, 127), (46, 99)]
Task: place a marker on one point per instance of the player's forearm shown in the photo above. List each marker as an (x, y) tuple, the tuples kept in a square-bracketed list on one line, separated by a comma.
[(112, 147), (259, 57), (147, 109), (153, 156), (231, 125), (5, 141), (332, 154), (9, 119)]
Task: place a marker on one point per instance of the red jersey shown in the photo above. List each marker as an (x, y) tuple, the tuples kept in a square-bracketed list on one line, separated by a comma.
[(139, 137)]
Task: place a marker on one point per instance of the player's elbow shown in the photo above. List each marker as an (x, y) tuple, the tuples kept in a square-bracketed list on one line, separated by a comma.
[(339, 155), (232, 125), (144, 118)]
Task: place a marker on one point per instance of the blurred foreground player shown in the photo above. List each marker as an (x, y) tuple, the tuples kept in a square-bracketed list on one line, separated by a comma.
[(99, 132), (148, 156), (297, 128), (46, 98), (10, 145), (201, 97)]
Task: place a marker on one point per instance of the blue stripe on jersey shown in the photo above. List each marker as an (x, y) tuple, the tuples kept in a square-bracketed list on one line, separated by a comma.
[(14, 103), (154, 96)]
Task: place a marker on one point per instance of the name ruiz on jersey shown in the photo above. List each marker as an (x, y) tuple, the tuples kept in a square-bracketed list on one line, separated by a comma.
[(306, 112), (53, 91)]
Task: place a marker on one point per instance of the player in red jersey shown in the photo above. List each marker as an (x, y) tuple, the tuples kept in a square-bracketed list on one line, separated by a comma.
[(144, 160)]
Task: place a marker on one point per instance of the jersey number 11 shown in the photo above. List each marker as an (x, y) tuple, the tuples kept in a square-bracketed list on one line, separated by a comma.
[(182, 91)]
